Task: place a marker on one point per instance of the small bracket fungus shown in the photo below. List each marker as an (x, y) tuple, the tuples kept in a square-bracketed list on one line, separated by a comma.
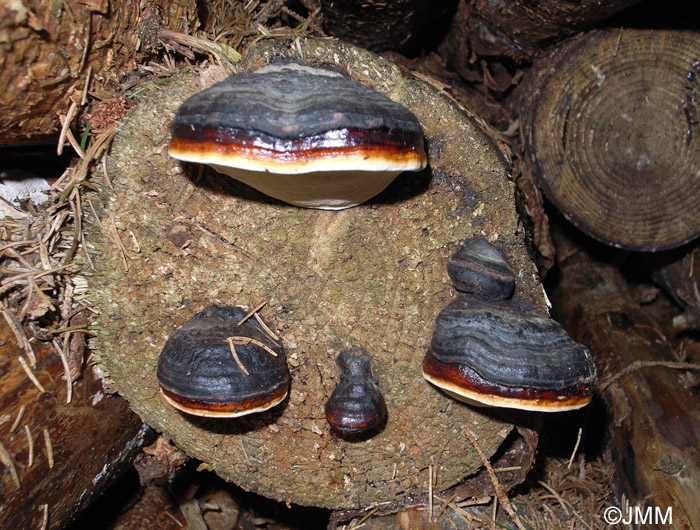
[(356, 405), (218, 365), (311, 137), (479, 268), (489, 349)]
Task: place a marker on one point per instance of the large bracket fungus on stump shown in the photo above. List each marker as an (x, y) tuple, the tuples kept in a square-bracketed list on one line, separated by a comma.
[(370, 277)]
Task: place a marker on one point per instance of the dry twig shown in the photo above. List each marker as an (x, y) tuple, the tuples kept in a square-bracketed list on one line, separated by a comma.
[(30, 443), (235, 355), (31, 375), (636, 365), (500, 492), (8, 462), (49, 448), (22, 339), (20, 413)]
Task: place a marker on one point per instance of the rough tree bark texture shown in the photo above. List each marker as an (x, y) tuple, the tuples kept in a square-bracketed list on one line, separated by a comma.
[(518, 29), (677, 273), (372, 276), (47, 49), (378, 25), (655, 416), (94, 439), (610, 132)]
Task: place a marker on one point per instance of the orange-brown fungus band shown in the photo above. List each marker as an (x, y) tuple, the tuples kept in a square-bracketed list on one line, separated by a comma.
[(224, 141), (200, 407), (496, 349), (202, 371), (462, 380), (343, 141)]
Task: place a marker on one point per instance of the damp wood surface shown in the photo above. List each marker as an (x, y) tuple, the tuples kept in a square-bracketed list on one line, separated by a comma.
[(654, 411), (372, 276), (93, 439)]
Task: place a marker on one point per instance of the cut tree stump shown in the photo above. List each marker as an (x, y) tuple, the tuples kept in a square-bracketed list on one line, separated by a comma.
[(611, 132), (654, 410), (93, 439), (175, 238)]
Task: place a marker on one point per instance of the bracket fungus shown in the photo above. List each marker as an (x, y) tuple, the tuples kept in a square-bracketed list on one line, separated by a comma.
[(356, 405), (220, 364), (479, 268), (490, 349), (373, 275), (311, 137)]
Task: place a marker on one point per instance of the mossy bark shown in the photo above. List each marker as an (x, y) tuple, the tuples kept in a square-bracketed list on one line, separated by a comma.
[(372, 276)]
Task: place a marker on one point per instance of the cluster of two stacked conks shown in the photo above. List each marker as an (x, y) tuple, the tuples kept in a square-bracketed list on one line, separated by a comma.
[(490, 348)]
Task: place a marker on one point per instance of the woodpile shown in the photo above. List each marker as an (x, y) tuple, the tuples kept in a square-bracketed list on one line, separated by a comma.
[(540, 119)]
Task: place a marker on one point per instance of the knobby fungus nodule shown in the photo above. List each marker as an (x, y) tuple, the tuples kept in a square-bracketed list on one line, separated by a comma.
[(356, 404)]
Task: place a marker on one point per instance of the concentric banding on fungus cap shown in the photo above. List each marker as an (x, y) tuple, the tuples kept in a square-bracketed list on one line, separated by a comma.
[(479, 268), (503, 353), (309, 136), (216, 366)]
